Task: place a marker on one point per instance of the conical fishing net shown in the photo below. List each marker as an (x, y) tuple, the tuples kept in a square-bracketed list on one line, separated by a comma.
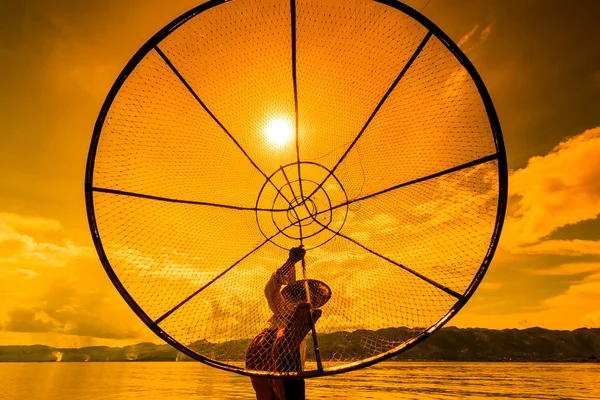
[(247, 128)]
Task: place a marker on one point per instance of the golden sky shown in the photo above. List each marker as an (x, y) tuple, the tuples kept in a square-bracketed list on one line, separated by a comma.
[(539, 60)]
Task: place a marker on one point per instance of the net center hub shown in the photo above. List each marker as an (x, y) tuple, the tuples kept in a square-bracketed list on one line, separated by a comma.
[(302, 210)]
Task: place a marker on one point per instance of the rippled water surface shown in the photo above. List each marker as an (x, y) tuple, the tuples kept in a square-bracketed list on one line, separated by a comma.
[(393, 380)]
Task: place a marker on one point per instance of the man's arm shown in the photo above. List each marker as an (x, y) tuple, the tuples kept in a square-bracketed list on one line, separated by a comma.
[(285, 275)]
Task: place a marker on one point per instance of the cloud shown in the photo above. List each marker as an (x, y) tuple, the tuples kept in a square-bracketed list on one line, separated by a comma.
[(574, 247), (580, 302), (574, 306), (86, 318), (89, 312), (486, 32), (463, 40), (470, 41), (577, 305), (559, 189), (30, 274), (51, 284), (569, 269), (72, 301), (19, 248), (491, 285), (16, 221), (552, 191), (28, 320)]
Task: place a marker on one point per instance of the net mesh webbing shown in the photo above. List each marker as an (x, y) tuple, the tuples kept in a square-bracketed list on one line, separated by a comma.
[(197, 188)]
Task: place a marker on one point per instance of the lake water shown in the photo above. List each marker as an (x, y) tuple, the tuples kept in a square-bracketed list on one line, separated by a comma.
[(392, 380)]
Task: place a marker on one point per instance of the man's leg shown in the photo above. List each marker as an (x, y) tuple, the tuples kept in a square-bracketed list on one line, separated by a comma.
[(264, 389), (294, 389)]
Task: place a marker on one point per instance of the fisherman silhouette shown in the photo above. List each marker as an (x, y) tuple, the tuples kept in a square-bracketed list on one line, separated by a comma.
[(281, 346)]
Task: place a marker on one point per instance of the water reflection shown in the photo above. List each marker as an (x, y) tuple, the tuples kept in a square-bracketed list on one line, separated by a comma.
[(187, 381)]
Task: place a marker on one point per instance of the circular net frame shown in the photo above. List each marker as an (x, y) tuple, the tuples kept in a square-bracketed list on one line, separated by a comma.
[(392, 175)]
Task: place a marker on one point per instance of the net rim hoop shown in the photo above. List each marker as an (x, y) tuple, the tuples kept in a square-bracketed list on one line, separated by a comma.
[(501, 211)]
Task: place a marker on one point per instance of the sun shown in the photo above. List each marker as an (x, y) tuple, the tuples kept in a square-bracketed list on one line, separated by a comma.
[(279, 131)]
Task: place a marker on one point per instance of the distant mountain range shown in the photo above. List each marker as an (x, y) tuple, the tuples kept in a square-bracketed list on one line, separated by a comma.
[(449, 344)]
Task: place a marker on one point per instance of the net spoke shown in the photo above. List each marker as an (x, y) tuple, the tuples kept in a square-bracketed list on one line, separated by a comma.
[(193, 93), (293, 209), (383, 99), (191, 296), (170, 200), (415, 273), (295, 83), (470, 164)]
